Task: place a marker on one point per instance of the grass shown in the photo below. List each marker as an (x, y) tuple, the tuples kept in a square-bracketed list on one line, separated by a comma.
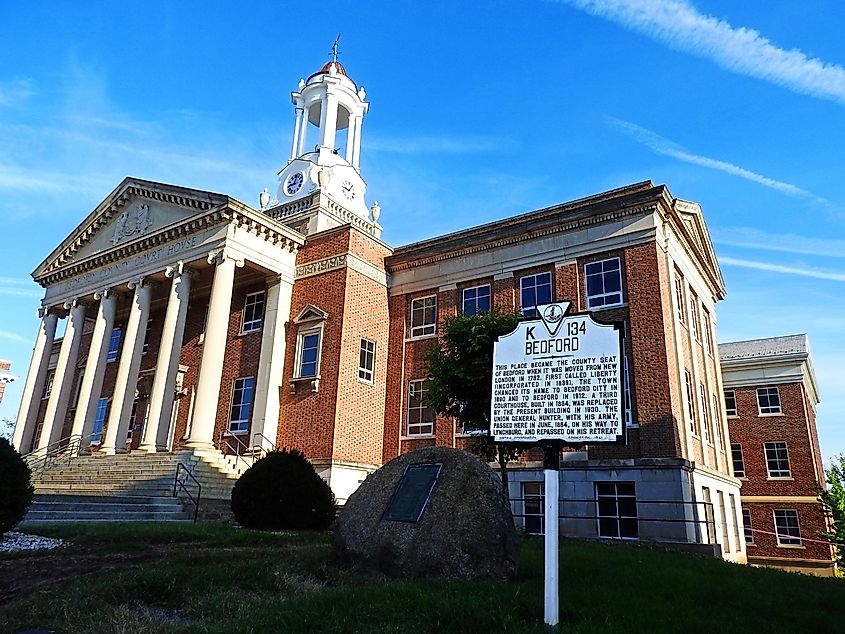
[(219, 579)]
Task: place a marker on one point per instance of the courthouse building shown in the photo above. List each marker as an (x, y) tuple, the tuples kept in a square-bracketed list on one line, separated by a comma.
[(770, 400), (194, 321)]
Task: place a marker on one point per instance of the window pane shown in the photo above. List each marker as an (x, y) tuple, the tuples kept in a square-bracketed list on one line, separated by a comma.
[(604, 283), (616, 506)]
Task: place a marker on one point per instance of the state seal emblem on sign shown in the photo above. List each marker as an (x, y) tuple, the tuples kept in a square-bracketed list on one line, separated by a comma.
[(132, 222), (553, 316)]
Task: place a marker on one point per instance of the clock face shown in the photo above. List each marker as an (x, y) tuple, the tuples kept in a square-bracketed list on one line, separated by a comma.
[(348, 189), (294, 183)]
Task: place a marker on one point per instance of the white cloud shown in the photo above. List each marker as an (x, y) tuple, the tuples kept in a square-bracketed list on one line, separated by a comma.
[(664, 146), (13, 336), (750, 238), (19, 287), (679, 25), (435, 145), (15, 93), (780, 268)]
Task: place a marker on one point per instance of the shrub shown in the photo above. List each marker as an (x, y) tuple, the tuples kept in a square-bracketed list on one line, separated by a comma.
[(15, 488), (283, 491)]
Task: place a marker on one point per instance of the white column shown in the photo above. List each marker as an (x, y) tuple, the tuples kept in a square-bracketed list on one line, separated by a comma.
[(167, 364), (95, 367), (35, 377), (303, 133), (296, 132), (350, 138), (127, 369), (54, 418), (328, 123), (213, 350), (265, 413), (356, 156)]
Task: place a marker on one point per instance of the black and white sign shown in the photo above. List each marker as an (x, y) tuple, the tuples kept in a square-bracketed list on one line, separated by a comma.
[(559, 378)]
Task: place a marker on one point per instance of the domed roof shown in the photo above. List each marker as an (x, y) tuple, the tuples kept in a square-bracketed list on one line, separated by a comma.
[(327, 70)]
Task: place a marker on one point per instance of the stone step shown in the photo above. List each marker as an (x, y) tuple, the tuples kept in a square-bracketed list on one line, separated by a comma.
[(30, 523), (167, 505), (105, 514), (128, 500)]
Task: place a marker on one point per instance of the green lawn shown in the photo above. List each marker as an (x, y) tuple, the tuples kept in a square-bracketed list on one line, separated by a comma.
[(186, 578)]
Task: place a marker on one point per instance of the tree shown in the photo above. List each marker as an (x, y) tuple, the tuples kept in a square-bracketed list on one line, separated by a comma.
[(833, 500), (460, 371)]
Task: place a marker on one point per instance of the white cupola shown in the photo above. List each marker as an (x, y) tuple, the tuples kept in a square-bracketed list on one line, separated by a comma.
[(325, 153)]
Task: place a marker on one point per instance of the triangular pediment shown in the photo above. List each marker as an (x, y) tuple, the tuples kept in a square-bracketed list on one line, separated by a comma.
[(136, 208), (695, 230), (310, 313)]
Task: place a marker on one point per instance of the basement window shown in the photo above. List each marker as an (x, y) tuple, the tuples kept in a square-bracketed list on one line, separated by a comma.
[(616, 504)]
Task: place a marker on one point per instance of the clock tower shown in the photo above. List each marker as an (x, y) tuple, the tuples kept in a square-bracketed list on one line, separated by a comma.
[(324, 163)]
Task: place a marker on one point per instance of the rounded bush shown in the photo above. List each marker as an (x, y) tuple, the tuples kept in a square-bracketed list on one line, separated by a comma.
[(283, 491), (15, 488)]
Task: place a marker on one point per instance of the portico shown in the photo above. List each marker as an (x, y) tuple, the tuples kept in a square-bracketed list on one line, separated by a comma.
[(141, 267)]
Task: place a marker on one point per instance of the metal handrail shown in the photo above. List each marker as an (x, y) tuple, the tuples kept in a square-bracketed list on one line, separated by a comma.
[(177, 482), (66, 447), (240, 444), (260, 445)]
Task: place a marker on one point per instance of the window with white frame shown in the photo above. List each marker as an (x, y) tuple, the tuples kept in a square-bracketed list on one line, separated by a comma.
[(308, 352), (693, 423), (705, 412), (626, 387), (253, 315), (424, 316), (604, 283), (476, 300), (241, 408), (738, 460), (730, 403), (616, 505), (734, 521), (99, 421), (693, 309), (367, 361), (768, 400), (534, 290), (708, 329), (717, 423), (746, 526), (777, 460), (48, 384), (532, 508), (680, 298), (114, 344), (420, 416), (787, 527)]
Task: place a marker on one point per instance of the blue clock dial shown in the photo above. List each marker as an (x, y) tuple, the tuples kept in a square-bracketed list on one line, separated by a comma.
[(294, 183)]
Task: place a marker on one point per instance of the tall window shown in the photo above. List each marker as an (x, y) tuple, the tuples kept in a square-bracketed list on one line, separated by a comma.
[(604, 283), (367, 360), (114, 344), (717, 423), (738, 460), (787, 528), (241, 405), (308, 351), (147, 333), (768, 400), (734, 521), (730, 403), (693, 424), (476, 300), (777, 460), (48, 384), (423, 316), (705, 417), (626, 387), (99, 421), (253, 314), (680, 298), (533, 505), (616, 504), (693, 309), (726, 542), (534, 290), (746, 525), (708, 330), (420, 416)]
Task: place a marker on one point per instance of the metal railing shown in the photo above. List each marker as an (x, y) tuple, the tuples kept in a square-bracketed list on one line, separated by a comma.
[(66, 448), (177, 482), (259, 447), (240, 448), (669, 520)]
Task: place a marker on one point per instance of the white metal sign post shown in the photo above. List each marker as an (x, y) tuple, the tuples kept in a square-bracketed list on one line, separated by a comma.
[(557, 379)]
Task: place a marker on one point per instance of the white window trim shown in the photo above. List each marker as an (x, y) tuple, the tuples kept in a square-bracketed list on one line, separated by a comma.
[(695, 322), (707, 430), (535, 275), (239, 432), (421, 331), (788, 461), (48, 384), (408, 433), (300, 343), (372, 370), (759, 408), (736, 407), (748, 530), (119, 343), (800, 543), (744, 475), (475, 288), (617, 517), (260, 320), (680, 298), (621, 289)]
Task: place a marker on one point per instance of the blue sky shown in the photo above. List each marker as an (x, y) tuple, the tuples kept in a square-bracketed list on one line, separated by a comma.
[(478, 111)]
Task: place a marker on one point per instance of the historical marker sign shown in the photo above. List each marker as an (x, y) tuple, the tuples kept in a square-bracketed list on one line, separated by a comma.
[(558, 378), (412, 493)]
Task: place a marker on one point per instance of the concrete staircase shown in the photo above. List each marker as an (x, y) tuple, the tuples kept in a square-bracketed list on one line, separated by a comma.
[(130, 487)]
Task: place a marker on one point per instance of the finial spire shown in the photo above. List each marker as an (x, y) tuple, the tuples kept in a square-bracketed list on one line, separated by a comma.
[(335, 52)]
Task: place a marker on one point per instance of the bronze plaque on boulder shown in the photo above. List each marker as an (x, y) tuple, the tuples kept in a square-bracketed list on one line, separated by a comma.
[(412, 493)]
